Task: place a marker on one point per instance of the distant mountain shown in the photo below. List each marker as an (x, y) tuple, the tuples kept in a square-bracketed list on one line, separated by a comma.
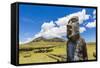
[(49, 40)]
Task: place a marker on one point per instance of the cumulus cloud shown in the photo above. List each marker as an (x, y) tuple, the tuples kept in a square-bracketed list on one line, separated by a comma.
[(81, 15), (91, 24), (94, 14), (82, 29), (48, 25), (53, 32)]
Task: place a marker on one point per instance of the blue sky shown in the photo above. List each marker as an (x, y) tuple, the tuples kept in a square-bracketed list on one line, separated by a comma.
[(31, 18)]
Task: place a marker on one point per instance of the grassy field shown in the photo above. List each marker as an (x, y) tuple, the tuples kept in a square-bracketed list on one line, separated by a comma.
[(57, 53), (91, 48), (58, 49)]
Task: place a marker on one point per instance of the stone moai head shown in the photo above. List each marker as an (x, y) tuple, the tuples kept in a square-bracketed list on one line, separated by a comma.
[(73, 27)]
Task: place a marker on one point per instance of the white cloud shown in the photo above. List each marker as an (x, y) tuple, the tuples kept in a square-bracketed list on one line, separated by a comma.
[(94, 14), (53, 32), (81, 14), (91, 24), (82, 29), (47, 25)]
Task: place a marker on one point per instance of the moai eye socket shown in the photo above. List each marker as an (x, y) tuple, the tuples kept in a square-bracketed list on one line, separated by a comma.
[(69, 27)]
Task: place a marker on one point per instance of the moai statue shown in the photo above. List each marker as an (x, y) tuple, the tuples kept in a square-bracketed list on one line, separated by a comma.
[(76, 46)]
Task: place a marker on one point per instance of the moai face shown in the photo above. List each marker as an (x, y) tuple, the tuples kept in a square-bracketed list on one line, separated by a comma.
[(73, 28)]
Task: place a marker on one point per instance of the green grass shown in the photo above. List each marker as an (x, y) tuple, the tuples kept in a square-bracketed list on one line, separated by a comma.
[(59, 49), (90, 50)]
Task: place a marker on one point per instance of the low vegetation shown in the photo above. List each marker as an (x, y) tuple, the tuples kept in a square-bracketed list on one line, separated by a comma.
[(45, 51)]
